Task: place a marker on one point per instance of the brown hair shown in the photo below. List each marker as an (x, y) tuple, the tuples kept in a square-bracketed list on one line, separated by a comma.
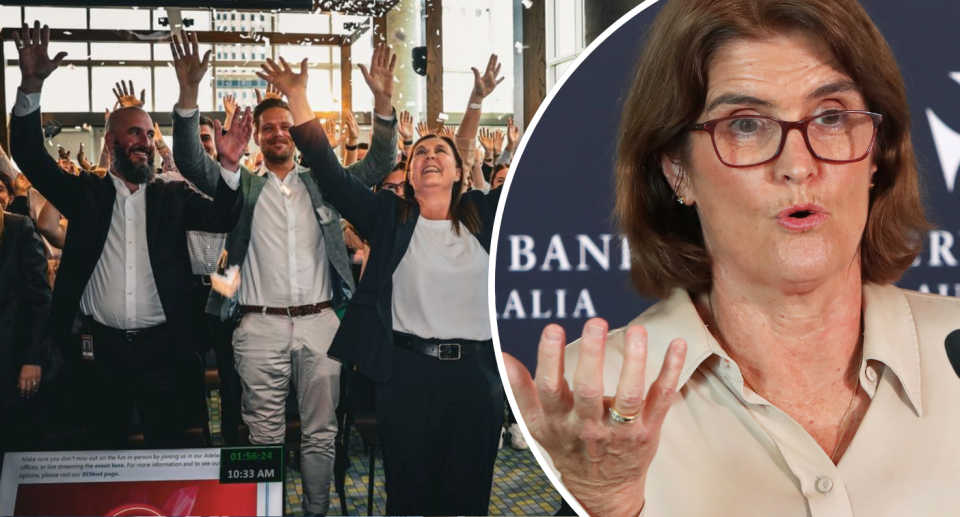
[(462, 213), (267, 104), (669, 91)]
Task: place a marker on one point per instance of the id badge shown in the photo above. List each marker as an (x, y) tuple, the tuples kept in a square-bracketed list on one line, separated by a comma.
[(86, 346)]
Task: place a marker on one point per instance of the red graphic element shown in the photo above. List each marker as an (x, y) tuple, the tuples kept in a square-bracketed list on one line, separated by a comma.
[(173, 498)]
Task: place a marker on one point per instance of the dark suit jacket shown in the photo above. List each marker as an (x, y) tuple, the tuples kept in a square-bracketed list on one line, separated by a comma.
[(24, 300), (87, 202), (365, 337)]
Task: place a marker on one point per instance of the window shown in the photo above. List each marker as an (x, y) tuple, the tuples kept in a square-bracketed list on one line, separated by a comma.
[(120, 19), (472, 30), (564, 34)]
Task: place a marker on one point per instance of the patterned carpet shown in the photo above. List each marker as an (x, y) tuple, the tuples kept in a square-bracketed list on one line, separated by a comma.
[(519, 485)]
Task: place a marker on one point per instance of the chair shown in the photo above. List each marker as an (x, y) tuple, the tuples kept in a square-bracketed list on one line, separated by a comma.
[(356, 409), (366, 424), (198, 431)]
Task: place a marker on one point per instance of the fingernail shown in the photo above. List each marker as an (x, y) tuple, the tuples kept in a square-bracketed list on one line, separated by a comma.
[(594, 331), (552, 337)]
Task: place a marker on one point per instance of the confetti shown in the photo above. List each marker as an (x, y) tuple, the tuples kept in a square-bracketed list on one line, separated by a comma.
[(443, 116), (527, 3)]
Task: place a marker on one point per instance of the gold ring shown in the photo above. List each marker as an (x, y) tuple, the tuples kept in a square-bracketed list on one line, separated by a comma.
[(621, 418)]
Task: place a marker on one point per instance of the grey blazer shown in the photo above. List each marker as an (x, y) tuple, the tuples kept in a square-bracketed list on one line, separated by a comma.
[(204, 172)]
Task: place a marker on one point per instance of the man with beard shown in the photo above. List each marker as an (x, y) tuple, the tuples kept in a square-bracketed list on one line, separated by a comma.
[(118, 308), (294, 268)]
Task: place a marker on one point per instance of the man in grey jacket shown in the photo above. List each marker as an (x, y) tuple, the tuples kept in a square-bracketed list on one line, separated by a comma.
[(294, 269)]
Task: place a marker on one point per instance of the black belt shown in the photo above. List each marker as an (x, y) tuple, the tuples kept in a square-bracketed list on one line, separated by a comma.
[(202, 279), (443, 349), (130, 335)]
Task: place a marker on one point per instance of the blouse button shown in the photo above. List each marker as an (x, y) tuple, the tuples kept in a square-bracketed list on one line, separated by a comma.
[(824, 484), (871, 374)]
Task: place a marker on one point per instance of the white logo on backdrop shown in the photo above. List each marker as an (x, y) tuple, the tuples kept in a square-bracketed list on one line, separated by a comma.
[(947, 142)]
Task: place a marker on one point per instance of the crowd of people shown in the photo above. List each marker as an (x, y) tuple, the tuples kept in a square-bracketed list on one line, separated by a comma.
[(373, 262)]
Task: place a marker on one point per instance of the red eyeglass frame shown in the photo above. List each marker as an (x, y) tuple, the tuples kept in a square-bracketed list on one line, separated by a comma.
[(785, 126)]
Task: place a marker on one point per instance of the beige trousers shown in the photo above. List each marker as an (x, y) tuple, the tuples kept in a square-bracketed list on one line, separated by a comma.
[(272, 351)]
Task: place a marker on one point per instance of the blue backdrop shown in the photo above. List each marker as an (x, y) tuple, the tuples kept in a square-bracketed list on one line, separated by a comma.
[(559, 257)]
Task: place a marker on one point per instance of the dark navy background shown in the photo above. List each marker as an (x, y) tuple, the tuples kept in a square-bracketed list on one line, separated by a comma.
[(563, 188)]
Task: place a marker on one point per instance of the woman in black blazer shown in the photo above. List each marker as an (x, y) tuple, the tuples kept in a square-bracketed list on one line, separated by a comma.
[(24, 334), (418, 323)]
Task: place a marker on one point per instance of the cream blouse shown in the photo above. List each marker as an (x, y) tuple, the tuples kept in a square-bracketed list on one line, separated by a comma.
[(726, 451)]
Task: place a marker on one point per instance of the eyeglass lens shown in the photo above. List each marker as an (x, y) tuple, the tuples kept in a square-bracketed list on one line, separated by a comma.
[(834, 136)]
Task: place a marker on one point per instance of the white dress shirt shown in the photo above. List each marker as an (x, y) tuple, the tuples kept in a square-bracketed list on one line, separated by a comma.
[(439, 287), (286, 263), (725, 450), (122, 292)]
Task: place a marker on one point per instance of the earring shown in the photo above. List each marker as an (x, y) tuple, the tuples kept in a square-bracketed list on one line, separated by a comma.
[(681, 200)]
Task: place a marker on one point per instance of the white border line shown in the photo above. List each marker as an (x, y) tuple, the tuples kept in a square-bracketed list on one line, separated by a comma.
[(492, 280)]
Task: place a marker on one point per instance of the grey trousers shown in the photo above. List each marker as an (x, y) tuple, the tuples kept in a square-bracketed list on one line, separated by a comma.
[(269, 352)]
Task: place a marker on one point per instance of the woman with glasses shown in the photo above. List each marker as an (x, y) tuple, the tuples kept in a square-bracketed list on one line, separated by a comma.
[(768, 188), (418, 324)]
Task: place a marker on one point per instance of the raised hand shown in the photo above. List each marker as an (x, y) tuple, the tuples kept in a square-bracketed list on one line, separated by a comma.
[(513, 134), (446, 130), (379, 78), (497, 142), (271, 93), (189, 66), (486, 140), (35, 62), (283, 77), (351, 128), (484, 85), (603, 461), (229, 105), (423, 129), (158, 137), (127, 97), (82, 159), (405, 126), (230, 146), (333, 135)]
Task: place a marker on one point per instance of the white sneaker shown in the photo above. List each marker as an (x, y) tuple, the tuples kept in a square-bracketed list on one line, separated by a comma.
[(516, 438)]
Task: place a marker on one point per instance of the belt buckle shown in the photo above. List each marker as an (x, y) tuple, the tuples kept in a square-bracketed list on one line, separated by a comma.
[(205, 280), (131, 335), (443, 347)]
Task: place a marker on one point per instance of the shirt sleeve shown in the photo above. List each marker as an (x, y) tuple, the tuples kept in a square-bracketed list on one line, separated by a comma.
[(185, 113), (387, 119), (232, 178), (26, 103)]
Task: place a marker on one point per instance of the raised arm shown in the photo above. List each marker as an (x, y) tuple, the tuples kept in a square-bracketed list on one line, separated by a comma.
[(347, 194), (26, 135), (405, 129), (352, 132), (220, 214), (382, 155), (483, 85), (192, 162)]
